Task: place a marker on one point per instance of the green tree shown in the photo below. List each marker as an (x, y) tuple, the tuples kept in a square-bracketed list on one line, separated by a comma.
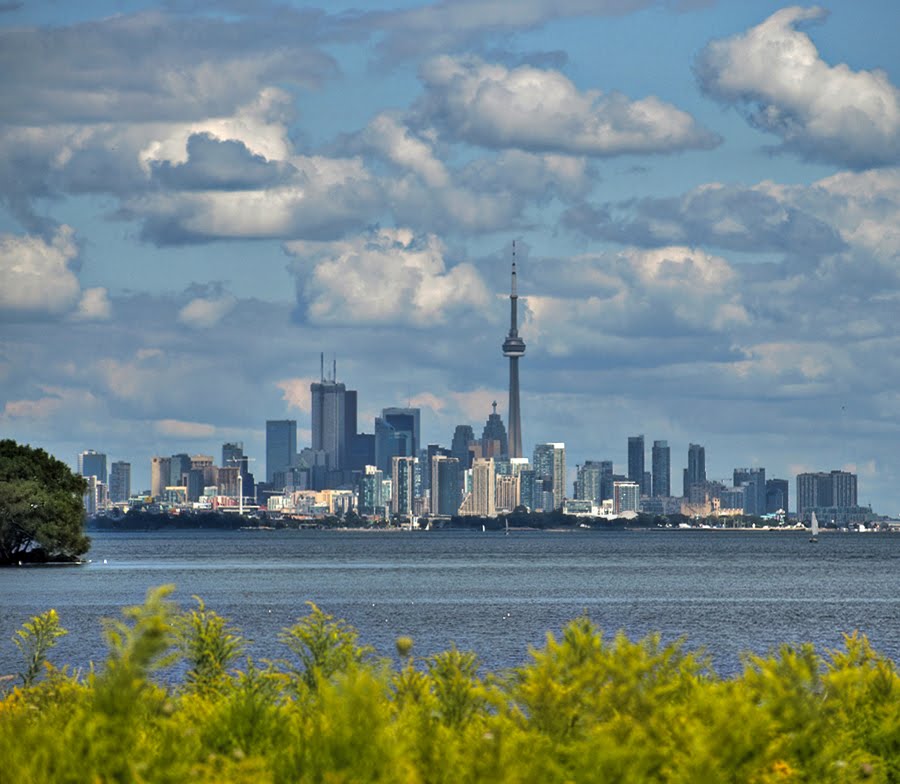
[(41, 509)]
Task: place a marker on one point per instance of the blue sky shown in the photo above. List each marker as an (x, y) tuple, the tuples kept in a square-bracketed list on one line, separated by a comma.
[(199, 196)]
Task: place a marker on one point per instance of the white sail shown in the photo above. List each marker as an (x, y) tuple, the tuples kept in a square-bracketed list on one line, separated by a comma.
[(814, 525)]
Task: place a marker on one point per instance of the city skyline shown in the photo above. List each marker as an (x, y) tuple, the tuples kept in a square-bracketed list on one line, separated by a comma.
[(200, 199)]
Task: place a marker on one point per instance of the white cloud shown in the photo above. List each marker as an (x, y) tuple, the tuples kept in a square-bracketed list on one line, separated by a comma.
[(543, 111), (205, 312), (181, 429), (296, 393), (825, 112), (93, 306), (389, 277), (664, 292), (37, 279)]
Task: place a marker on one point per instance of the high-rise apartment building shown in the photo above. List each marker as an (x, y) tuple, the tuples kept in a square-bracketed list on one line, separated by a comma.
[(626, 497), (506, 492), (120, 482), (589, 481), (402, 485), (836, 489), (483, 487), (446, 486), (370, 491), (636, 461), (550, 466), (753, 480), (281, 446), (661, 461), (91, 463)]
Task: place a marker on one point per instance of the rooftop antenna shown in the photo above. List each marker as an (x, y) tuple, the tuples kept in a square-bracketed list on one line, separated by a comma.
[(334, 369), (322, 366)]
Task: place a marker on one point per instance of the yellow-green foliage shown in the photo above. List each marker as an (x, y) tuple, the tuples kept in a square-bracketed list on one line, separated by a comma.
[(584, 708)]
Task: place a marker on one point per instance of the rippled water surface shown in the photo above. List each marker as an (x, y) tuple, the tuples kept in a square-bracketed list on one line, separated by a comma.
[(729, 592)]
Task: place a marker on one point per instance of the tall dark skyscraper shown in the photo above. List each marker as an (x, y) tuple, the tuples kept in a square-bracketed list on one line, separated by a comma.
[(281, 445), (636, 459), (695, 474), (662, 474), (333, 419), (514, 347)]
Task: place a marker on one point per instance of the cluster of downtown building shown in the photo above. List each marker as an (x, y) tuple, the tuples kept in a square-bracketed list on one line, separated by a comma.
[(390, 473)]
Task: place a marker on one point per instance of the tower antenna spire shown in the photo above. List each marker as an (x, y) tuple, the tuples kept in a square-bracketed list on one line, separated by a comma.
[(322, 366), (514, 347)]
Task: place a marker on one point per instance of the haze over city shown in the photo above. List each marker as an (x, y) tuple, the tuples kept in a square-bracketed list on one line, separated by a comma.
[(200, 197)]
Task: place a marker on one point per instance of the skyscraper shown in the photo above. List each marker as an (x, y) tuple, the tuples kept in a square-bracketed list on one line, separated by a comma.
[(588, 482), (777, 491), (819, 490), (662, 462), (483, 487), (91, 463), (333, 421), (636, 460), (120, 482), (753, 480), (402, 485), (160, 468), (550, 465), (494, 441), (396, 435), (281, 446), (445, 485), (463, 435), (695, 473), (514, 347)]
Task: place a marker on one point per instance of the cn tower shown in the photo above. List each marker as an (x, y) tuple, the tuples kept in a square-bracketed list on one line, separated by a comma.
[(514, 347)]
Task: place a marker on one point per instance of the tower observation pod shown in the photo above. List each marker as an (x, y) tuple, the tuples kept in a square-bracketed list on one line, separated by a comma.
[(514, 347)]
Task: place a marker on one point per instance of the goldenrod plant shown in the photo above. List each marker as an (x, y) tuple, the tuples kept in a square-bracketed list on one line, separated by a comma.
[(177, 699)]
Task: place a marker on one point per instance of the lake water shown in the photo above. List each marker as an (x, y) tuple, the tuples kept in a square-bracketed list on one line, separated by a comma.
[(729, 592)]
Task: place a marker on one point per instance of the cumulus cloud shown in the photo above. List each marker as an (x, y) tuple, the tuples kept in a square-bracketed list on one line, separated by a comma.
[(326, 198), (295, 392), (754, 219), (773, 72), (93, 306), (661, 294), (37, 277), (181, 429), (539, 110), (205, 312), (389, 277)]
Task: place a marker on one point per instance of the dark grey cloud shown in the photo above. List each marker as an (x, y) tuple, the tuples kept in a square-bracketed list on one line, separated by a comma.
[(214, 164), (720, 216), (452, 25), (156, 67)]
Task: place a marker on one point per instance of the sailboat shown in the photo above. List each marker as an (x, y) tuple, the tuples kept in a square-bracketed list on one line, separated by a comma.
[(814, 528)]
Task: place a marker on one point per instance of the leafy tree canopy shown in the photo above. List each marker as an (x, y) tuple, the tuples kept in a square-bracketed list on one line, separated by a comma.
[(41, 511)]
